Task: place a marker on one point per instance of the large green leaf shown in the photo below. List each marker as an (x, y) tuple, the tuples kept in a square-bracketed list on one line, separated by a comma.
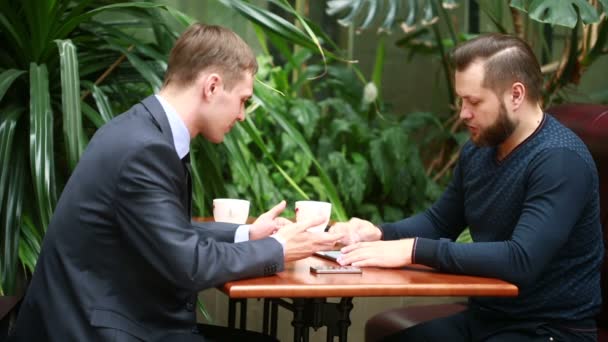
[(7, 78), (270, 21), (521, 5), (39, 17), (8, 124), (102, 102), (493, 9), (14, 30), (204, 156), (379, 63), (93, 62), (73, 22), (114, 36), (29, 244), (11, 222), (256, 135), (381, 164), (144, 69), (324, 37), (70, 101), (604, 5), (311, 35), (330, 188), (92, 115), (42, 159), (563, 12), (10, 218), (354, 10), (250, 172), (278, 25), (184, 19), (238, 161), (351, 176)]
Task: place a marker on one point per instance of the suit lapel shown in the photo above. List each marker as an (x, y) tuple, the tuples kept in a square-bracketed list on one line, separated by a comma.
[(186, 162), (160, 118)]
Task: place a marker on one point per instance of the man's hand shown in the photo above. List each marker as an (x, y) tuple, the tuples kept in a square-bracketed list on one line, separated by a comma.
[(300, 243), (394, 253), (356, 230), (268, 222)]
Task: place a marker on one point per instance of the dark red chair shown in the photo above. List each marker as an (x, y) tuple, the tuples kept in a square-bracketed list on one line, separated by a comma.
[(590, 123)]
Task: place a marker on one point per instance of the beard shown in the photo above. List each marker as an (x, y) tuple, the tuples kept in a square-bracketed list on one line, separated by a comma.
[(498, 132)]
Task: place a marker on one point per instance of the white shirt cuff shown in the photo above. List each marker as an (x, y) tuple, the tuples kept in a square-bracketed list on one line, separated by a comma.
[(242, 233)]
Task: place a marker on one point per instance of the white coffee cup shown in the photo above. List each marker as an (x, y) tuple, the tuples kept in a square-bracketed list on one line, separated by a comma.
[(230, 210), (306, 210)]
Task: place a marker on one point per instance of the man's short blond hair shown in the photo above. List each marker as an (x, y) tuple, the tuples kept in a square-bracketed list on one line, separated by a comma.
[(209, 48)]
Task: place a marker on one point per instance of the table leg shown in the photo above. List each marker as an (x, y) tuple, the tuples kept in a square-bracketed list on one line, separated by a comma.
[(317, 312), (232, 313), (330, 334), (300, 329), (244, 314), (307, 313), (266, 319), (344, 308), (274, 317)]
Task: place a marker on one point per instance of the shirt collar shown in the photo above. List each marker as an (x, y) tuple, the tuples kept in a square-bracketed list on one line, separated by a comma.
[(181, 136)]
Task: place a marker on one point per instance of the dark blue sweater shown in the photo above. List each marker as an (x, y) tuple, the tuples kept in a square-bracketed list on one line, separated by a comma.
[(534, 217)]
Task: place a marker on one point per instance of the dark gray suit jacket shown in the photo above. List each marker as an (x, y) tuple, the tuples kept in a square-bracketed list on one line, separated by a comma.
[(121, 259)]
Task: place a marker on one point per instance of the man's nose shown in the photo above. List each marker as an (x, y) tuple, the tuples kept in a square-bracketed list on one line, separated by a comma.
[(465, 113), (241, 116)]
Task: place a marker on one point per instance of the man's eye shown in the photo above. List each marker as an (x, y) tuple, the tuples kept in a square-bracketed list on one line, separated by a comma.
[(247, 102)]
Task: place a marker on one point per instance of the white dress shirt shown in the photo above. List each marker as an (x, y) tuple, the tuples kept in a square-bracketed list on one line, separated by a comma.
[(181, 142)]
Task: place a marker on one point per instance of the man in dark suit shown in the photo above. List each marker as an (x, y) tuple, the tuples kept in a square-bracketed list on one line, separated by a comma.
[(121, 259)]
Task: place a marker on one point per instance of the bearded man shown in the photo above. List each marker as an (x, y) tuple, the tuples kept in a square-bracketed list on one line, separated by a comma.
[(527, 188)]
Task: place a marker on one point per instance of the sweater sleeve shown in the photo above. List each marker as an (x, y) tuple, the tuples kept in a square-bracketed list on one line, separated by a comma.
[(558, 187), (445, 218)]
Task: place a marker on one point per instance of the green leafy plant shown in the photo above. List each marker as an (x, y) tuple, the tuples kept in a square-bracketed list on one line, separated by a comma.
[(64, 71), (385, 166), (333, 143), (581, 28), (585, 41), (431, 33)]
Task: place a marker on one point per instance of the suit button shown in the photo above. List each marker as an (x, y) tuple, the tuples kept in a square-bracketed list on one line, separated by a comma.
[(189, 306), (195, 330)]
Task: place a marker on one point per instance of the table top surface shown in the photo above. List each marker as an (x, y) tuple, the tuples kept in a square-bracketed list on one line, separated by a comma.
[(296, 281)]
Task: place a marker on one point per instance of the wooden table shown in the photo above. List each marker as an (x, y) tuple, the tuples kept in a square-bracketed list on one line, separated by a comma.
[(309, 291)]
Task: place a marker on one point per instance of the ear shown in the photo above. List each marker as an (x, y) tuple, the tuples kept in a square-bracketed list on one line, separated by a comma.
[(211, 84), (518, 95)]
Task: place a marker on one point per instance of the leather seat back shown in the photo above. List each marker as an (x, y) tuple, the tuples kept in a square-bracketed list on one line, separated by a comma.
[(590, 123)]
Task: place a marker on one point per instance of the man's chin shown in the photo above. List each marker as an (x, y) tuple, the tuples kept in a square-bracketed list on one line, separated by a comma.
[(479, 141), (215, 139), (475, 139)]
